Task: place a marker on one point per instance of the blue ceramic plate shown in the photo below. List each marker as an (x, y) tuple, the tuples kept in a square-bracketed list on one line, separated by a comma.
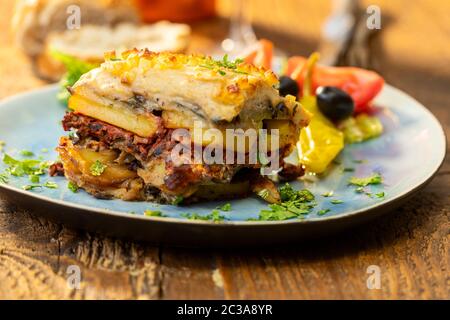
[(407, 155)]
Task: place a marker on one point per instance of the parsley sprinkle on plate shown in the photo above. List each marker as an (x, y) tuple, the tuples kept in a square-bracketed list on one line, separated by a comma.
[(26, 153), (323, 211), (363, 182), (153, 213), (328, 194)]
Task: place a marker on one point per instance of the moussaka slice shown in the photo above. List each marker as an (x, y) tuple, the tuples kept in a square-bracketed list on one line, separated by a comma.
[(165, 127)]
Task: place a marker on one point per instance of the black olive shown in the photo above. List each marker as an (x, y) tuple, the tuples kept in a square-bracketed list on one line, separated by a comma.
[(288, 86), (334, 103)]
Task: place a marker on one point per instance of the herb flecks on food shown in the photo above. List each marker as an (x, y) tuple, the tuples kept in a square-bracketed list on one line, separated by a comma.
[(363, 182), (264, 194), (225, 63), (97, 168), (72, 187), (336, 201), (294, 204)]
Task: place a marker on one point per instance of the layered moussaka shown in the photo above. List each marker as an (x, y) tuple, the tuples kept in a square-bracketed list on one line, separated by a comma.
[(134, 120)]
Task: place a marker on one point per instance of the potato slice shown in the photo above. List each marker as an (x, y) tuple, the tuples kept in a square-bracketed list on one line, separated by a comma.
[(83, 159), (174, 119), (144, 125)]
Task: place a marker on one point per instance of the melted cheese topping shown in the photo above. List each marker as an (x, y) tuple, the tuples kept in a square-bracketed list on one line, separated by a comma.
[(214, 90)]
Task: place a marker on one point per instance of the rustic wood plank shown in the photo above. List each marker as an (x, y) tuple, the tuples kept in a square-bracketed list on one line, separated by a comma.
[(409, 246), (35, 255), (190, 274)]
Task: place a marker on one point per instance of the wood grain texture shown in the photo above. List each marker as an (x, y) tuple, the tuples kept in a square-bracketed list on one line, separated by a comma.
[(410, 245)]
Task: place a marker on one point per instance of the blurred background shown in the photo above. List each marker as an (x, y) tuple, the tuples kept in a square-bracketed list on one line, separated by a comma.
[(411, 49)]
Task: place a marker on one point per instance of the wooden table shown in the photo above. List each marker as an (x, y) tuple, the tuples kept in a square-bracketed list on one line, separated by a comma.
[(410, 245)]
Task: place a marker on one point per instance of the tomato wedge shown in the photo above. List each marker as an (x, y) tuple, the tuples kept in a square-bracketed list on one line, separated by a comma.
[(260, 54), (362, 85)]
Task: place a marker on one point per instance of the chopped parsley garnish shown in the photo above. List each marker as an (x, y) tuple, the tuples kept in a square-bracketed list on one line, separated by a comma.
[(72, 187), (363, 182), (264, 194), (328, 194), (294, 204), (225, 207), (336, 201), (34, 178), (348, 169), (380, 195), (153, 213), (225, 63), (277, 212), (26, 153), (28, 167), (287, 193), (44, 150), (4, 178), (97, 168), (72, 135), (360, 190), (31, 186), (323, 211), (48, 184), (177, 200), (359, 161), (51, 185), (213, 216)]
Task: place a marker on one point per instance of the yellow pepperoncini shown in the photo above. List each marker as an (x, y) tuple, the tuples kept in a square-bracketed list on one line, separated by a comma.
[(320, 142)]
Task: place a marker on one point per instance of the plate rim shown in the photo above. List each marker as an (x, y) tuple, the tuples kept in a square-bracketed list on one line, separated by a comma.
[(226, 223)]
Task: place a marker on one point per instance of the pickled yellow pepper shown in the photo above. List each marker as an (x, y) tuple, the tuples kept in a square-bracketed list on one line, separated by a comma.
[(320, 142)]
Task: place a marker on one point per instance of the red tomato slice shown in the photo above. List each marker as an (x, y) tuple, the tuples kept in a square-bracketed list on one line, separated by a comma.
[(362, 85), (260, 54)]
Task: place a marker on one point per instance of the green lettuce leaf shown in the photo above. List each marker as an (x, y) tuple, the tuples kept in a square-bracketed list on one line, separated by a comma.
[(75, 68)]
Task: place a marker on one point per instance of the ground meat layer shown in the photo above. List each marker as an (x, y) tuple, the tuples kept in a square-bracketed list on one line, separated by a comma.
[(158, 179)]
